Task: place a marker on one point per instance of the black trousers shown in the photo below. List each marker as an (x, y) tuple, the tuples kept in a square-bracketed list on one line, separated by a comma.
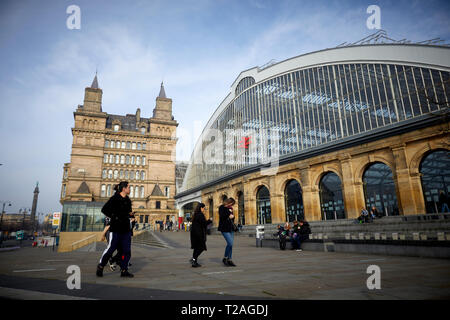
[(116, 241), (197, 252)]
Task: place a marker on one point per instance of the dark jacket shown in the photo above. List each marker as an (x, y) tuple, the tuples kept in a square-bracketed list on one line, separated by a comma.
[(305, 229), (198, 231), (225, 223), (118, 209)]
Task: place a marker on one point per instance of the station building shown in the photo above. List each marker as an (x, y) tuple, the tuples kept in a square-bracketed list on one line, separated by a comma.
[(322, 135)]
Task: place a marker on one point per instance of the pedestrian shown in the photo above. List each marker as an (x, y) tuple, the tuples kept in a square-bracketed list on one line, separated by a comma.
[(364, 217), (198, 233), (443, 202), (375, 213), (118, 209), (303, 233), (226, 222), (295, 241)]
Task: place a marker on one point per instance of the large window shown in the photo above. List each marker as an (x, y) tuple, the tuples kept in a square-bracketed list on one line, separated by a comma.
[(379, 189), (241, 208), (82, 216), (331, 199), (293, 201), (435, 175), (263, 206)]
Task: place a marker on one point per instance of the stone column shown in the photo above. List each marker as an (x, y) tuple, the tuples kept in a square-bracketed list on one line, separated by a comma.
[(310, 194), (406, 195), (352, 196)]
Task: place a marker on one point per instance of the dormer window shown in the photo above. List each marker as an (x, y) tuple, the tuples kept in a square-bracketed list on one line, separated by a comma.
[(116, 127), (143, 130)]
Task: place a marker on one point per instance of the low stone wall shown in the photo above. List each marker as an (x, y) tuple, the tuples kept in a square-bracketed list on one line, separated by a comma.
[(66, 239)]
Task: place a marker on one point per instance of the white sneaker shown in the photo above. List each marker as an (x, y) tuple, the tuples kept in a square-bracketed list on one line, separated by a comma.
[(299, 250)]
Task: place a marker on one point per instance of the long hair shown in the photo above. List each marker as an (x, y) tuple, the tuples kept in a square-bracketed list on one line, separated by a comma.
[(198, 209), (119, 187), (229, 201)]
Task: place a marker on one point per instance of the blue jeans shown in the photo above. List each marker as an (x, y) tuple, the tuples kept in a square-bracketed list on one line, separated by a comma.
[(229, 238)]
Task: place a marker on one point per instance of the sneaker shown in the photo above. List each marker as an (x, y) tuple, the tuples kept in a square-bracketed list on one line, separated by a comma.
[(298, 250), (225, 262), (231, 264), (99, 271), (125, 273), (195, 264), (112, 265)]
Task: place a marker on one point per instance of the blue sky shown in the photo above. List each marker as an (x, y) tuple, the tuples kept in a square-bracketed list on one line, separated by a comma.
[(197, 47)]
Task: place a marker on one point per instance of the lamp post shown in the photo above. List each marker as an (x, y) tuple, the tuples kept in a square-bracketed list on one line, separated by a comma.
[(1, 219)]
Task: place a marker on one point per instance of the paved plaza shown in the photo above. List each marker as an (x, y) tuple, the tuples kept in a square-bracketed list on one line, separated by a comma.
[(261, 273)]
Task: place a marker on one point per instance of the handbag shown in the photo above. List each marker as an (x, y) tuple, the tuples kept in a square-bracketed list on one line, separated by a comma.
[(234, 226)]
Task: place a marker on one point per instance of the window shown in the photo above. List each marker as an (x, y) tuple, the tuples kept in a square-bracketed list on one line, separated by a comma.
[(123, 144), (166, 191), (116, 174), (106, 143), (143, 130), (132, 160), (128, 145), (142, 175), (105, 158), (137, 174), (263, 206), (110, 173), (117, 144), (108, 190), (104, 174), (103, 191), (65, 173), (111, 158), (139, 146), (127, 160), (112, 144), (131, 192), (141, 219), (144, 146), (121, 174), (331, 198), (126, 174), (133, 146), (63, 193), (138, 160), (143, 160), (146, 218), (158, 204), (117, 159), (131, 174), (116, 127), (142, 192), (293, 201)]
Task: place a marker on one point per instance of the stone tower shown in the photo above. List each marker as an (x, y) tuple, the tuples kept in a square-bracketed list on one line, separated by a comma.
[(34, 206)]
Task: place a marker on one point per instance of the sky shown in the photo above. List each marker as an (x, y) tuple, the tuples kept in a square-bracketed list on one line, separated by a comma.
[(198, 48)]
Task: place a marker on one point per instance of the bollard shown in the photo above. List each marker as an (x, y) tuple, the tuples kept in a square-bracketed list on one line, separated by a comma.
[(259, 235)]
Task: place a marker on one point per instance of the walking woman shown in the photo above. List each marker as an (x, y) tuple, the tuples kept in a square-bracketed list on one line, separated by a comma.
[(118, 209), (226, 220), (198, 233)]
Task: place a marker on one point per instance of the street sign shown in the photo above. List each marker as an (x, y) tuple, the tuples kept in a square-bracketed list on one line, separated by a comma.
[(19, 235), (56, 219)]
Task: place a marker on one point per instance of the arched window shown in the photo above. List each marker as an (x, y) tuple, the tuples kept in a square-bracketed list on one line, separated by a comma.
[(111, 158), (137, 175), (106, 143), (127, 160), (211, 209), (263, 205), (126, 174), (132, 160), (63, 192), (139, 146), (143, 160), (110, 174), (105, 158), (103, 191), (117, 159), (104, 174), (144, 146), (116, 174), (379, 189), (331, 199), (133, 146), (121, 174), (122, 159), (143, 130), (138, 160), (435, 176), (142, 175), (293, 201), (116, 127), (131, 192), (123, 145), (128, 145), (132, 174), (108, 190), (142, 192)]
